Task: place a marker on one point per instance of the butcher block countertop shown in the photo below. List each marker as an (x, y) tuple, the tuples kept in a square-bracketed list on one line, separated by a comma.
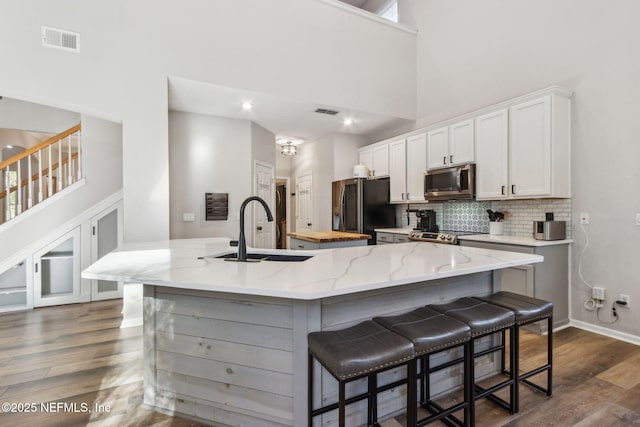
[(328, 236)]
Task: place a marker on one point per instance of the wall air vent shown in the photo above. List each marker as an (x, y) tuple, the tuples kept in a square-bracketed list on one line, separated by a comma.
[(60, 39), (325, 111)]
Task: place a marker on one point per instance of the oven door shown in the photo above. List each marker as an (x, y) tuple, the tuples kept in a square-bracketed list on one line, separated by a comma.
[(450, 183)]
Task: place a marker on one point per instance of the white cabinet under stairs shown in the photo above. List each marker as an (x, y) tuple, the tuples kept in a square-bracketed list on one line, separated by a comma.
[(56, 272), (15, 292), (48, 272), (106, 235)]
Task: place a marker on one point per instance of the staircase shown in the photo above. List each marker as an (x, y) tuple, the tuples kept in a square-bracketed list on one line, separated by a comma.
[(39, 172)]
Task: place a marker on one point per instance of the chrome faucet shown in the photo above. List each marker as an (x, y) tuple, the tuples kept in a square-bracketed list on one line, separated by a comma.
[(242, 244)]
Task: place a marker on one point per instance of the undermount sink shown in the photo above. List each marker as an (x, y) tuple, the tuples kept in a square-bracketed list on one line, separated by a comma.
[(269, 257)]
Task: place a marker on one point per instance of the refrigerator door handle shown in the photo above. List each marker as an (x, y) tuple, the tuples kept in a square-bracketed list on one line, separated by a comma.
[(341, 227)]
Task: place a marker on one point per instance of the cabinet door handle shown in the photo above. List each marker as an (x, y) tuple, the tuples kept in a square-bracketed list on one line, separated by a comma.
[(259, 228), (444, 160), (93, 230), (402, 196), (451, 158), (301, 246), (513, 189), (503, 188), (36, 265)]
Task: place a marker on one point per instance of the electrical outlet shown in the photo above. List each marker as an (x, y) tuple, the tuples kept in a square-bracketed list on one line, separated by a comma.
[(584, 218), (597, 293), (625, 298)]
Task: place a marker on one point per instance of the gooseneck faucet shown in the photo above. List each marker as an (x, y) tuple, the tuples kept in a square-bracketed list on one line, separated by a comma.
[(242, 244)]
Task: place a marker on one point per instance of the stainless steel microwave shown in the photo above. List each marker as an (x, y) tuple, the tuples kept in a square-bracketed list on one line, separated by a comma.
[(456, 182)]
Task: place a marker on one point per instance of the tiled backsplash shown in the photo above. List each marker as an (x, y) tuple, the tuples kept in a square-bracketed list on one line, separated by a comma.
[(522, 213), (472, 215)]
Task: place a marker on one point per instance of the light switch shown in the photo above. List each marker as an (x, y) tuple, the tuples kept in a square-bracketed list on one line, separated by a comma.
[(188, 217)]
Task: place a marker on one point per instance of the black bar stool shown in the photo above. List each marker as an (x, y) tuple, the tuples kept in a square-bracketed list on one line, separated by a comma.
[(527, 310), (486, 319), (432, 332), (360, 351)]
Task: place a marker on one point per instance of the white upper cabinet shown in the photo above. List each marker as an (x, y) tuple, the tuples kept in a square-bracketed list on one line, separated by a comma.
[(381, 160), (530, 148), (438, 148), (524, 151), (521, 149), (461, 142), (376, 158), (451, 145), (365, 157), (492, 155), (407, 163), (398, 171), (416, 165)]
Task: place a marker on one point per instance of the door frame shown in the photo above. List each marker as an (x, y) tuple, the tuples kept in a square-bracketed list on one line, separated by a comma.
[(288, 210), (271, 202)]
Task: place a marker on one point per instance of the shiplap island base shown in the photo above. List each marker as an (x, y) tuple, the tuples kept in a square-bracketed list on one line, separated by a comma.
[(226, 342)]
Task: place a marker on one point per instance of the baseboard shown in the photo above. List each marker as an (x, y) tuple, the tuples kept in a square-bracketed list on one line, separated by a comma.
[(622, 336)]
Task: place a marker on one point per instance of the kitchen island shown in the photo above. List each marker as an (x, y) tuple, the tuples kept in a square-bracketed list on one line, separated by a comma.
[(326, 239), (226, 342)]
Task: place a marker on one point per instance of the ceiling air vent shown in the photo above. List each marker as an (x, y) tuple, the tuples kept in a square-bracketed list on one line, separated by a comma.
[(60, 39), (325, 111)]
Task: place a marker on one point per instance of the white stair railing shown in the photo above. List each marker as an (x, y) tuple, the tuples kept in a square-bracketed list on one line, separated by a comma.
[(19, 193)]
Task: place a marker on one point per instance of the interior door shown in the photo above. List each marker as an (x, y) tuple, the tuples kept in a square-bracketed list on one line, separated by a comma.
[(304, 187), (263, 230)]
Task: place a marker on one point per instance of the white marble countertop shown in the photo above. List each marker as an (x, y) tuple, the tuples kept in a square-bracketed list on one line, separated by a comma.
[(513, 240), (491, 238), (405, 231), (330, 272)]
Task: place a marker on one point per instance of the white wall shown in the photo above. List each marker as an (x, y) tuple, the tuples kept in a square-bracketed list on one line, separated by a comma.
[(346, 154), (473, 54), (208, 155), (129, 48), (327, 159), (102, 165), (27, 116)]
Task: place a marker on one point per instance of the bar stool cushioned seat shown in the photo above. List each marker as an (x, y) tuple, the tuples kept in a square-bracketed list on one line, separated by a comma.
[(485, 319), (362, 350), (432, 332), (528, 310), (358, 350)]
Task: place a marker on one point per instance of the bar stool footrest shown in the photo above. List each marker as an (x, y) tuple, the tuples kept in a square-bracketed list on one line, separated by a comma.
[(487, 393), (444, 415)]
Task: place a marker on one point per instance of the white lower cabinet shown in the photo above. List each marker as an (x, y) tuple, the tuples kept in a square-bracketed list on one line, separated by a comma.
[(106, 235), (56, 272), (548, 280), (383, 238)]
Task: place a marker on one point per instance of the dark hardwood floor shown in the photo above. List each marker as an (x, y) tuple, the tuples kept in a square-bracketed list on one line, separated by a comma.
[(72, 358)]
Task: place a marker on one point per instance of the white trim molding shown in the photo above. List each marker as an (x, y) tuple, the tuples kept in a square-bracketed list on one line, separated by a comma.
[(622, 336)]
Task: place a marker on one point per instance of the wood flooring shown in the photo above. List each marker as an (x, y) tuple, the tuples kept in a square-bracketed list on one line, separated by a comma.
[(73, 366)]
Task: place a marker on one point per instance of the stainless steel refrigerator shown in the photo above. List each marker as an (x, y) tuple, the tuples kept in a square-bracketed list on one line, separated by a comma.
[(361, 205)]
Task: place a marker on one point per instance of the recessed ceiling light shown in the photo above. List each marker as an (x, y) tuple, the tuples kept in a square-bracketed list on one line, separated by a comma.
[(246, 105), (347, 122)]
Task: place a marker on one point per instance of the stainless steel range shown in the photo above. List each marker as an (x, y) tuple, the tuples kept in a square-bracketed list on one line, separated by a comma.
[(446, 236), (433, 236)]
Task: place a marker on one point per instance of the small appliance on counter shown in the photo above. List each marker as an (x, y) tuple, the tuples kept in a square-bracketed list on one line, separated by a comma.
[(426, 220), (549, 230)]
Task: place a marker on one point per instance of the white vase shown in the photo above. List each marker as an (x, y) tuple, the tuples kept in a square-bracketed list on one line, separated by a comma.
[(496, 228)]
